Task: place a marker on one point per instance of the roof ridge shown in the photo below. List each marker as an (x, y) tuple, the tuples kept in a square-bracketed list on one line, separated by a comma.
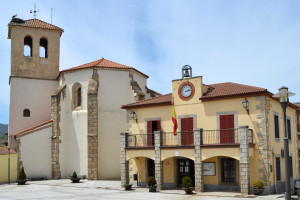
[(152, 98), (239, 84)]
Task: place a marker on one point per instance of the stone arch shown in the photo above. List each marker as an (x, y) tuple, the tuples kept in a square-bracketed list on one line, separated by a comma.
[(28, 46), (43, 47), (77, 96)]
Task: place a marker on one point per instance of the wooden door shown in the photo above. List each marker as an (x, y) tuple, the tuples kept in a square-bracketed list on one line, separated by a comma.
[(151, 127), (187, 133), (227, 129)]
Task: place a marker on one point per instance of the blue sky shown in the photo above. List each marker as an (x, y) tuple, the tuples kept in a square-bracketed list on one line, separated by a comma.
[(248, 42)]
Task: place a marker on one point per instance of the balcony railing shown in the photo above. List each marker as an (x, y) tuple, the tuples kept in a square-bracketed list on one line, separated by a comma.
[(140, 140), (207, 137)]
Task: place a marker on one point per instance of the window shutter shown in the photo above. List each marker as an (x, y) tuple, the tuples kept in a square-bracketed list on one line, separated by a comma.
[(187, 133), (149, 133), (158, 125), (227, 122)]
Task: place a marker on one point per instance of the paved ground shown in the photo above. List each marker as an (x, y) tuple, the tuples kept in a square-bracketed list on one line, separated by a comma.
[(64, 189)]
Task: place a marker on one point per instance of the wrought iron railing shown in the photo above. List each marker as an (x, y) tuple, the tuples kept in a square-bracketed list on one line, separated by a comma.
[(140, 140), (185, 138), (207, 137)]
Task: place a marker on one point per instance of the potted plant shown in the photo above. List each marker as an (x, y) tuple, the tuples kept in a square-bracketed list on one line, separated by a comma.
[(74, 178), (127, 185), (258, 187), (151, 182), (187, 183), (22, 179)]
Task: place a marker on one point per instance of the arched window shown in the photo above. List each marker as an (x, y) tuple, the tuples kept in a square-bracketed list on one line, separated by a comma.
[(26, 113), (43, 48), (28, 46), (77, 96)]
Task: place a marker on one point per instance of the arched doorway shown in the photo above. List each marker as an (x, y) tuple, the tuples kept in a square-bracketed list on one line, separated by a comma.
[(185, 167)]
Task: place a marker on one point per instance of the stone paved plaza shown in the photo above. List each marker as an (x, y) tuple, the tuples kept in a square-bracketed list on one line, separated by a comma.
[(64, 189)]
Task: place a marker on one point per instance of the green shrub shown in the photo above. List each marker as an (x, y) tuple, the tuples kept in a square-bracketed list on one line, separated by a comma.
[(151, 181), (187, 182), (22, 175), (74, 175), (258, 184)]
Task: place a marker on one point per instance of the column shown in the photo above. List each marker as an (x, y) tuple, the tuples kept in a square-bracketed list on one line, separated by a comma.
[(123, 162), (244, 159), (198, 164), (157, 162)]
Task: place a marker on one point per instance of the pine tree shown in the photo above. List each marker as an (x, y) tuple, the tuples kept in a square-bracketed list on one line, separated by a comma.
[(22, 175)]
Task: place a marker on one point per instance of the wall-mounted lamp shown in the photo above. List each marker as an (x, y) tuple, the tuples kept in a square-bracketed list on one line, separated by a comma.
[(133, 115), (53, 137), (246, 105)]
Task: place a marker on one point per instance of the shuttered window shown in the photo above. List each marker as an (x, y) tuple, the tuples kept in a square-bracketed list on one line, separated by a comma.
[(291, 166), (187, 133), (289, 131), (227, 129), (278, 169), (276, 126), (151, 127)]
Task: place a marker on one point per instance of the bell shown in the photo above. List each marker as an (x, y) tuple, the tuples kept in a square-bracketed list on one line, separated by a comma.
[(186, 73)]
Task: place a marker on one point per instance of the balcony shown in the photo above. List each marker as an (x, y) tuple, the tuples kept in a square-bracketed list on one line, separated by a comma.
[(208, 138)]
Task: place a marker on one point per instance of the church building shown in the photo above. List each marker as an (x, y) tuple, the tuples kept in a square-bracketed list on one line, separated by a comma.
[(69, 120)]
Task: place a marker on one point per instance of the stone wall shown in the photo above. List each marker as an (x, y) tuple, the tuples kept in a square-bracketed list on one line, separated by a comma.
[(199, 184), (244, 160), (92, 104)]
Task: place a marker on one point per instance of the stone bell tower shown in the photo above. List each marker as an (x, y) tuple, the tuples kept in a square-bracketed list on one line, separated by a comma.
[(35, 48)]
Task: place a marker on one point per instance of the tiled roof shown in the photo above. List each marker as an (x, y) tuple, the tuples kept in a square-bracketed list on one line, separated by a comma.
[(160, 100), (219, 90), (4, 150), (34, 23), (102, 63), (18, 134), (229, 89)]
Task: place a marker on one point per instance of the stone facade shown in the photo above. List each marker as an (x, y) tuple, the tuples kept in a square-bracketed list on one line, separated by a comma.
[(199, 184), (123, 162), (55, 116), (244, 160), (158, 163), (92, 130)]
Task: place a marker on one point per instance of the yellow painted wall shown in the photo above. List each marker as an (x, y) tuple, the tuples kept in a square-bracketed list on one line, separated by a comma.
[(169, 153), (169, 170), (138, 165), (4, 168)]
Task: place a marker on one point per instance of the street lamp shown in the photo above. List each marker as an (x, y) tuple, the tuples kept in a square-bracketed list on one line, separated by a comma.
[(8, 147), (133, 115), (246, 105), (284, 95)]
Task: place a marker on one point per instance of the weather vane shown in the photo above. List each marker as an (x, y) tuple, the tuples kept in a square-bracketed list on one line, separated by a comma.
[(34, 11)]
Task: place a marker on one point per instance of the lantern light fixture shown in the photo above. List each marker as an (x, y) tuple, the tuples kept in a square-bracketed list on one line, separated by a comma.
[(133, 115), (246, 105)]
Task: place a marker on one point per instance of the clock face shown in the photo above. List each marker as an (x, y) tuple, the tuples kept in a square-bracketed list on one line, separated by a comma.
[(186, 91)]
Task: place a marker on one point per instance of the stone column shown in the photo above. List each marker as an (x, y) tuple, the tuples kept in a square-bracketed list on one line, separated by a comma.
[(157, 162), (244, 159), (199, 185), (92, 104), (55, 116), (123, 162)]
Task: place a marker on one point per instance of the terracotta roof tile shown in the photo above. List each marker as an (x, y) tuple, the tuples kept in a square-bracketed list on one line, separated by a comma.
[(229, 89), (32, 128), (102, 63), (35, 23), (160, 100), (4, 150)]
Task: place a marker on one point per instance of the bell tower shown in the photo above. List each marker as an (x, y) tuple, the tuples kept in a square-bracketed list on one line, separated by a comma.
[(35, 54)]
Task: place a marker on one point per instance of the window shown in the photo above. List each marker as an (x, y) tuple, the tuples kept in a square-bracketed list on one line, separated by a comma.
[(291, 166), (26, 113), (28, 46), (77, 96), (278, 169), (276, 126), (187, 131), (43, 48), (227, 129), (228, 170), (289, 131)]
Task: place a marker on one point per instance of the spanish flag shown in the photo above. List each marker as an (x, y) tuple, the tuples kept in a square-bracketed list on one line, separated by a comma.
[(174, 119)]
